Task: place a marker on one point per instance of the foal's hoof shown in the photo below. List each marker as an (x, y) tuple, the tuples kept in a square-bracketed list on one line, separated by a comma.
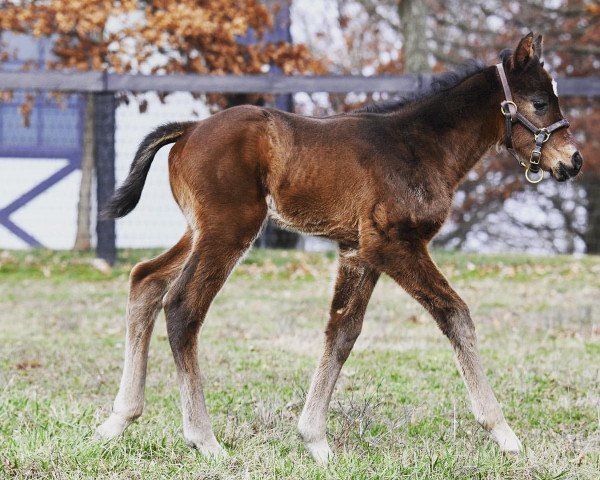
[(507, 440), (111, 428), (320, 451), (210, 449)]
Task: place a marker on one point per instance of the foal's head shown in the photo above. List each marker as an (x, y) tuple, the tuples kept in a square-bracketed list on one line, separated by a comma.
[(535, 95)]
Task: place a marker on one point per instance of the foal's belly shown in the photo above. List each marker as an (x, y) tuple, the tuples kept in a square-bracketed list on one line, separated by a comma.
[(312, 218)]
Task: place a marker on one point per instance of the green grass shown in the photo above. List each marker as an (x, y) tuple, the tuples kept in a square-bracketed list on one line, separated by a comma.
[(399, 410)]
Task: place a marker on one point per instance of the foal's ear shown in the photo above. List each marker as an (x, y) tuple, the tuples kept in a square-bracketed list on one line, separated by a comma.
[(526, 50), (538, 46)]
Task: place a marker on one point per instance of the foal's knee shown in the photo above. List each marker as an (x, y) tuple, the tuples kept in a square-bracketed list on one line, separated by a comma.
[(342, 335), (456, 323)]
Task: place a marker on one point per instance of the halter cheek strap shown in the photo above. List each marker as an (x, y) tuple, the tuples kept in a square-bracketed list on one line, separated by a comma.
[(541, 135)]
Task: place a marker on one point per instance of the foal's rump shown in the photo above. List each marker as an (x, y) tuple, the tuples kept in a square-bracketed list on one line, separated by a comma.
[(213, 160)]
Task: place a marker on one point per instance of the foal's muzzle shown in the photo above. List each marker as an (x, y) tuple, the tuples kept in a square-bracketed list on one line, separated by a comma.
[(577, 161), (563, 172)]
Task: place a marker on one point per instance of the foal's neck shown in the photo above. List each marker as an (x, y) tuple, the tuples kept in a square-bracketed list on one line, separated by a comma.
[(465, 122)]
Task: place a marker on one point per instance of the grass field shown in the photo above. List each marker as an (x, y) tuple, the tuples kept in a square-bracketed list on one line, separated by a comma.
[(399, 411)]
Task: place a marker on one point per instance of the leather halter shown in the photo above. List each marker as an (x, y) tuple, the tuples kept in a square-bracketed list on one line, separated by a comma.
[(541, 135)]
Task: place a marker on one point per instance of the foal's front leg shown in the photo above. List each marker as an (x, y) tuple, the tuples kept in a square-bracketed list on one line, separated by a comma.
[(414, 270), (353, 289)]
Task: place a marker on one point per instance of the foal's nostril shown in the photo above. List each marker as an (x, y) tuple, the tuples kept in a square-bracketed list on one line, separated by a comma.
[(577, 160)]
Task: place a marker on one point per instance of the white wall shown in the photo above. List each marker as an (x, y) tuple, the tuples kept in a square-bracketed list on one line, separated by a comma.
[(51, 217)]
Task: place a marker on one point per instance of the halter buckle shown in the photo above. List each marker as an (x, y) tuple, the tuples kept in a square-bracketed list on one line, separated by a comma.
[(534, 180), (534, 158)]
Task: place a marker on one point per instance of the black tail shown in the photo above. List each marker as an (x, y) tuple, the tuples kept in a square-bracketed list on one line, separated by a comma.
[(128, 195)]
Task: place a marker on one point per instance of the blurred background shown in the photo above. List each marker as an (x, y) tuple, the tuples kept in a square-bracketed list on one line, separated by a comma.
[(61, 152)]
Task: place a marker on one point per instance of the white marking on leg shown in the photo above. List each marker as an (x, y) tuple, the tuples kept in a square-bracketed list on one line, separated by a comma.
[(197, 428), (312, 424), (129, 402), (486, 408)]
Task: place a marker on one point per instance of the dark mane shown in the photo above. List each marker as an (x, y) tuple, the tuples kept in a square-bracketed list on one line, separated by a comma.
[(443, 81)]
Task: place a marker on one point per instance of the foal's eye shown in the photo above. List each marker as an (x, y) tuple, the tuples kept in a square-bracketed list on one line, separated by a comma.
[(539, 105)]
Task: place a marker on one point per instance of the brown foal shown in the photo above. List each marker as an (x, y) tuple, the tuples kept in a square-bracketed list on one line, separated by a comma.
[(379, 181)]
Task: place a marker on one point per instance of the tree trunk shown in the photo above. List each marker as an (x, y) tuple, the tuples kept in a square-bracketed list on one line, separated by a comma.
[(84, 207), (413, 21), (591, 236)]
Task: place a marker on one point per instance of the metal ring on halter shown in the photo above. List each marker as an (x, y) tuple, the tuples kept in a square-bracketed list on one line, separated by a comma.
[(545, 132), (505, 103), (535, 180)]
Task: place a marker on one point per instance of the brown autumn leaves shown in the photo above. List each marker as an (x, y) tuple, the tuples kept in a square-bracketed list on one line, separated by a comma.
[(160, 36), (187, 36)]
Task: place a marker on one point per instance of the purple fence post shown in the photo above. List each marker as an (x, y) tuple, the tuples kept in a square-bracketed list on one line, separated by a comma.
[(104, 153), (273, 236), (281, 32)]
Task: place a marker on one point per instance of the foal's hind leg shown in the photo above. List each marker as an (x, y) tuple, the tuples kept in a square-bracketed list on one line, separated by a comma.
[(215, 252), (416, 272), (148, 284), (353, 289)]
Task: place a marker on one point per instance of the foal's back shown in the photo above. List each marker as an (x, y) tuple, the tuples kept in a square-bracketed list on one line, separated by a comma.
[(316, 175)]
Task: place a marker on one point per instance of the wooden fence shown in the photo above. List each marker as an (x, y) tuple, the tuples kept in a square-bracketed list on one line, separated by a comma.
[(275, 84), (104, 85)]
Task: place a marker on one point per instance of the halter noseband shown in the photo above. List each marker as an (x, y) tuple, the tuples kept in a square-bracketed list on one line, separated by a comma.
[(541, 135)]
